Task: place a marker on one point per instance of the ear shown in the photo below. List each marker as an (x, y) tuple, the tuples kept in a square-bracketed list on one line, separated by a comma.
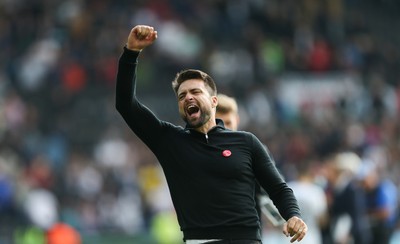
[(214, 101)]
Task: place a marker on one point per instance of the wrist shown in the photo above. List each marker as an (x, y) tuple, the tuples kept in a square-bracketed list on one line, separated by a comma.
[(126, 48), (132, 49)]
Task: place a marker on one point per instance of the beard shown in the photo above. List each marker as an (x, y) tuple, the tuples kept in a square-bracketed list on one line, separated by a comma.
[(197, 122)]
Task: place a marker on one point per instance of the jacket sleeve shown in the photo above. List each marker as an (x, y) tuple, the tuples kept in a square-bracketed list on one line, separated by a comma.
[(272, 181), (139, 118)]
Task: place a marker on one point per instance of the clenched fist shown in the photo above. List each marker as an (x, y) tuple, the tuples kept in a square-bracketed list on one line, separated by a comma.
[(295, 228), (140, 37)]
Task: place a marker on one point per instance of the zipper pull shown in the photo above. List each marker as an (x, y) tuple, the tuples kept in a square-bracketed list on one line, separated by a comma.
[(206, 138)]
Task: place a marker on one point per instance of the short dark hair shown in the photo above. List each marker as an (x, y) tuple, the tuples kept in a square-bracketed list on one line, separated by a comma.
[(189, 74)]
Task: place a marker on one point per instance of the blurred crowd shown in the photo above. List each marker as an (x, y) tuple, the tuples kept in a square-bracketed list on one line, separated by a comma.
[(66, 157)]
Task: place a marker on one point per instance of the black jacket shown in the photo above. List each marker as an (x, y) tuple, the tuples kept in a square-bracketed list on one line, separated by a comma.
[(213, 194)]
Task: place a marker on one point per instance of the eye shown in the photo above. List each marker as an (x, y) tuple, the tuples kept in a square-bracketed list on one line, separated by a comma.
[(196, 91), (181, 96)]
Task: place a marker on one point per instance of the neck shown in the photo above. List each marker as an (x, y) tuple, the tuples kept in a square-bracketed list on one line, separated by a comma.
[(207, 126)]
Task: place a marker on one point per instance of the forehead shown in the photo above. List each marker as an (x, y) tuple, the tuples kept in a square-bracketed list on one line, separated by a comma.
[(191, 84)]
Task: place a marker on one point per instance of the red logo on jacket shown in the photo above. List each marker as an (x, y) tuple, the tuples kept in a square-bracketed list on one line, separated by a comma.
[(226, 153)]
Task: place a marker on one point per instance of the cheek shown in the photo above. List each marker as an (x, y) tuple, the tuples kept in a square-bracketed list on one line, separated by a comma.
[(180, 108), (180, 103), (203, 104), (181, 112)]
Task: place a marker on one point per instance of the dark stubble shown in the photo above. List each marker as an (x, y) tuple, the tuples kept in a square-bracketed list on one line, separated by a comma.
[(205, 115)]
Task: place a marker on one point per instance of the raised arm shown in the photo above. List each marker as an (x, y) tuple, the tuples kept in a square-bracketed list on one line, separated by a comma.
[(138, 117)]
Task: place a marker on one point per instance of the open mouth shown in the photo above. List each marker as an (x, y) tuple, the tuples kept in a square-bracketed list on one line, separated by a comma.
[(192, 109)]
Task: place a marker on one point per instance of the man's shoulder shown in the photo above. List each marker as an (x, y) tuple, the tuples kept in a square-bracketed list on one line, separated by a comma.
[(237, 132), (174, 127), (242, 134), (248, 134)]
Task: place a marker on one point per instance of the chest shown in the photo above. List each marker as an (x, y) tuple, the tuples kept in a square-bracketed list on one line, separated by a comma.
[(217, 155)]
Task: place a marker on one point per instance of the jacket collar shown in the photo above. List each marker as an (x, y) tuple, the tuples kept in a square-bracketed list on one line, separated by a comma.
[(220, 126)]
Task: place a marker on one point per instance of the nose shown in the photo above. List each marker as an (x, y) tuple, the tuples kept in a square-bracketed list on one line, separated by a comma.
[(189, 97)]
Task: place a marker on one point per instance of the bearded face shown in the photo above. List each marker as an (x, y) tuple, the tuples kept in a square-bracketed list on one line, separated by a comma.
[(195, 103)]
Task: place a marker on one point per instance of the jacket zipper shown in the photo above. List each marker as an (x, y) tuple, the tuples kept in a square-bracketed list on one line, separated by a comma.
[(206, 138)]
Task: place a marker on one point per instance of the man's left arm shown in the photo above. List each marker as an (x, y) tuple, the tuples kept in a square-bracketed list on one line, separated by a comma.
[(281, 194)]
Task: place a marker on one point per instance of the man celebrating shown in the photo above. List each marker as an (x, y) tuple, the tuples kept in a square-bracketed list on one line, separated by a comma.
[(211, 172)]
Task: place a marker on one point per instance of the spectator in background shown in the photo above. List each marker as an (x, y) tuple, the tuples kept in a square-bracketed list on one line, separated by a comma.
[(312, 200), (61, 233), (382, 202), (227, 110), (346, 201)]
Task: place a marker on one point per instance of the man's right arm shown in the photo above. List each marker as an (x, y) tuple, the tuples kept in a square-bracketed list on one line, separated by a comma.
[(139, 118)]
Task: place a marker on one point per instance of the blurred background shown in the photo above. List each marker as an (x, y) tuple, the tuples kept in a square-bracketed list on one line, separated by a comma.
[(313, 78)]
